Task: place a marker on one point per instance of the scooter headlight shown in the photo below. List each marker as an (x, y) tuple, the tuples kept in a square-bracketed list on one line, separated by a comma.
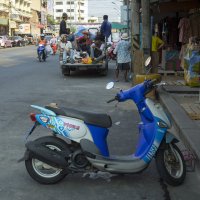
[(162, 124)]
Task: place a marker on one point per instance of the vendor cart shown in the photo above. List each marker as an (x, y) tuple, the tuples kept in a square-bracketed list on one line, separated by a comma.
[(101, 67), (100, 64)]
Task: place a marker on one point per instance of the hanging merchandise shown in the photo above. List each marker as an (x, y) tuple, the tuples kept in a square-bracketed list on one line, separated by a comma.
[(192, 68), (195, 25), (184, 30)]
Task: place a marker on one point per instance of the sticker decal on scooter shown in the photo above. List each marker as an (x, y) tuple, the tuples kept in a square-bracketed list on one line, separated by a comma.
[(154, 147), (71, 127), (44, 119), (151, 152), (50, 126)]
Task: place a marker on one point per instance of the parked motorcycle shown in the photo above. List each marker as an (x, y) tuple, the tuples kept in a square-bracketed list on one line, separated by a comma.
[(41, 52), (49, 159), (110, 50)]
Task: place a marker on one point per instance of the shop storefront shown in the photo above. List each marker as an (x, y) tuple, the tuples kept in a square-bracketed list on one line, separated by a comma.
[(180, 30), (34, 21), (13, 26), (3, 26)]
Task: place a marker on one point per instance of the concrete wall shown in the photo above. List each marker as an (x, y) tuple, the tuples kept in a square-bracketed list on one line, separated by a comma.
[(36, 5)]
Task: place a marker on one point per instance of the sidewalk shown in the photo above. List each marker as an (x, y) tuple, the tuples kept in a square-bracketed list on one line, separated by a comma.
[(187, 128)]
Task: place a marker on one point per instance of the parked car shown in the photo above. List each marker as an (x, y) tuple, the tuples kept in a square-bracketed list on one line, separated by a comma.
[(5, 41), (18, 41), (12, 41), (29, 39)]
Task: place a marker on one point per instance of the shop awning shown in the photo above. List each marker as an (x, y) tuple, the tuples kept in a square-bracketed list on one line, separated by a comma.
[(40, 26), (178, 6), (3, 22), (118, 26)]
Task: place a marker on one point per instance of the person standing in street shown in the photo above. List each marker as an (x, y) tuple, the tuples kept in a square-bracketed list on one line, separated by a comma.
[(157, 44), (63, 25), (123, 56), (63, 34), (106, 28)]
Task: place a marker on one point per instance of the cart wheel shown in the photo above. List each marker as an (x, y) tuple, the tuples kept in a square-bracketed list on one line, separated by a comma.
[(104, 72), (66, 72)]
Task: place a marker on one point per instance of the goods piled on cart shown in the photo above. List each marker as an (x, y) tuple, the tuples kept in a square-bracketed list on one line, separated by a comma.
[(86, 51)]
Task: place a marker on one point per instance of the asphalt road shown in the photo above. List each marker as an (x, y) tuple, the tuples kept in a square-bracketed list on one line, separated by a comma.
[(25, 81)]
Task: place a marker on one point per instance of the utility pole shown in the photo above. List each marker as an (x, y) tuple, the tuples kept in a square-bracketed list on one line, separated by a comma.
[(70, 13), (137, 54), (146, 35), (135, 28), (79, 10), (9, 14), (128, 18)]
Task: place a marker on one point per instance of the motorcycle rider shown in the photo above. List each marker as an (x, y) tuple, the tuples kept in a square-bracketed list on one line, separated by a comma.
[(43, 41), (53, 43)]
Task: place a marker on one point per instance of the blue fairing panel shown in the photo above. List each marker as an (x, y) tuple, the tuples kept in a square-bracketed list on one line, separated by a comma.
[(146, 138), (99, 135)]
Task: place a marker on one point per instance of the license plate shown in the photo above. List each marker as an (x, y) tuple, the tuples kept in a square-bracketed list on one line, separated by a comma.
[(83, 68)]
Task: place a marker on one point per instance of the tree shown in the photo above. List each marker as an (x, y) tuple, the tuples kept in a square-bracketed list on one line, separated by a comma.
[(50, 20)]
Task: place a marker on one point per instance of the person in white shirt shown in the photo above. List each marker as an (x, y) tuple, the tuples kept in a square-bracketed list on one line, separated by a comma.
[(53, 40), (67, 47)]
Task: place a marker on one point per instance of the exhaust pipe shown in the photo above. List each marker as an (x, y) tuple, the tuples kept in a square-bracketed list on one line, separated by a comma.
[(46, 155)]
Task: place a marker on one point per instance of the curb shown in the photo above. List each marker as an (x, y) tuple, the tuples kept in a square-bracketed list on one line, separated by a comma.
[(186, 128)]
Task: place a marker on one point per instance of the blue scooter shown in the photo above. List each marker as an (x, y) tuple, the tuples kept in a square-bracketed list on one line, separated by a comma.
[(41, 52), (49, 159)]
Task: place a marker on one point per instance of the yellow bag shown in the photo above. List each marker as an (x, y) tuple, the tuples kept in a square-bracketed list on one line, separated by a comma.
[(87, 60)]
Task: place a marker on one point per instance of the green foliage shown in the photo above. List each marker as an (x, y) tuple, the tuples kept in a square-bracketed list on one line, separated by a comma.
[(50, 20)]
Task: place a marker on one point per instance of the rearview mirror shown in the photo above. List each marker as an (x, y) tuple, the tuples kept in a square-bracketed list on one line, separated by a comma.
[(110, 85), (147, 62)]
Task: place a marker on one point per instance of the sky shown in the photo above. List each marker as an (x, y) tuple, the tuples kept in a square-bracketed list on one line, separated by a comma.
[(98, 8)]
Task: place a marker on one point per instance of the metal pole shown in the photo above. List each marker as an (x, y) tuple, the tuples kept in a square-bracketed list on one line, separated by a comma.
[(70, 14), (146, 35), (128, 17), (79, 11), (9, 13)]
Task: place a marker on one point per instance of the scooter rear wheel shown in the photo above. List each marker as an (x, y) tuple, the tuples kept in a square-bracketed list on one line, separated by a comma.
[(171, 167), (42, 172)]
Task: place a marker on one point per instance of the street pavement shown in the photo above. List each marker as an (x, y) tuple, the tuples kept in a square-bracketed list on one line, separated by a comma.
[(25, 81)]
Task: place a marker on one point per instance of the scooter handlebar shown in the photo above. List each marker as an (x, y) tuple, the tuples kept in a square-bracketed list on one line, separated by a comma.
[(150, 83), (111, 100)]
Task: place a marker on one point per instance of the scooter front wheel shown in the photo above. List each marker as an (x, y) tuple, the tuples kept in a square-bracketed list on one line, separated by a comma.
[(171, 165), (42, 172), (40, 57)]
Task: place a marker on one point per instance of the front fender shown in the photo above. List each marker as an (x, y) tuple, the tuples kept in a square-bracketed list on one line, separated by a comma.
[(170, 138)]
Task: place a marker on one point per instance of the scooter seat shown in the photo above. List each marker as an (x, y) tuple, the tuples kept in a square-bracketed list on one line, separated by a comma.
[(102, 120)]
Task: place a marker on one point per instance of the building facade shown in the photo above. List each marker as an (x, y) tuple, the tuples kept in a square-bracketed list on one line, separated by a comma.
[(77, 10), (93, 19), (4, 15), (35, 23), (14, 13)]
